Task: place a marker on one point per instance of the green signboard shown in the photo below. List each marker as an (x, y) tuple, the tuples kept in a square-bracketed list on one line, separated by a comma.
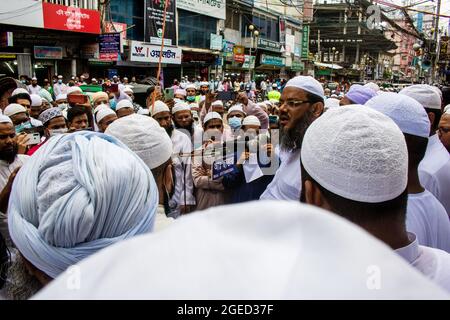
[(305, 42), (269, 45), (271, 60), (297, 66)]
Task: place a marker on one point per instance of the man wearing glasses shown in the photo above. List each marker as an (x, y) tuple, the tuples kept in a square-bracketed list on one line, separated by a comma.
[(444, 130), (300, 104)]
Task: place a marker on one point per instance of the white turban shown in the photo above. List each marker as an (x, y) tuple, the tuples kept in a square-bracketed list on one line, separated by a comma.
[(158, 107), (124, 104), (13, 109), (104, 112), (425, 94), (251, 120), (181, 106), (236, 107), (248, 252), (373, 86), (210, 116), (36, 100), (5, 119), (61, 96), (19, 90), (407, 113), (73, 89), (308, 84), (145, 137), (331, 103), (357, 153), (71, 200)]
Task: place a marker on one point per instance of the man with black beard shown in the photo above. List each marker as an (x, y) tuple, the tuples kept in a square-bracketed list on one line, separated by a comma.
[(300, 104), (183, 200), (10, 162)]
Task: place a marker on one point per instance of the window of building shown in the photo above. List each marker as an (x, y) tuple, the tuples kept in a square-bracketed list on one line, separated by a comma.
[(131, 13), (268, 28), (232, 19), (194, 30)]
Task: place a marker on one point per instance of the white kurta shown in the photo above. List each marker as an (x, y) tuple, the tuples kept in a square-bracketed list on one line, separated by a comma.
[(33, 90), (433, 263), (434, 171), (59, 88), (428, 220), (161, 220), (184, 186), (287, 183), (5, 171)]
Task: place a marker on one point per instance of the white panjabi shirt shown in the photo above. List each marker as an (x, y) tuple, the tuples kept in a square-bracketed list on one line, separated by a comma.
[(434, 171), (286, 185), (184, 186), (428, 220), (245, 251), (433, 263)]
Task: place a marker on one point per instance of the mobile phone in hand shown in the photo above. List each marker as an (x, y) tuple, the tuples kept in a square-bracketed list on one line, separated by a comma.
[(33, 138)]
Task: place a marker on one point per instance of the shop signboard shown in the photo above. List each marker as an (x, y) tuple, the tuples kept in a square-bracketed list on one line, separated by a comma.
[(305, 42), (238, 54), (74, 19), (146, 52), (272, 60), (44, 52), (109, 46), (216, 42), (210, 8), (154, 15), (269, 45)]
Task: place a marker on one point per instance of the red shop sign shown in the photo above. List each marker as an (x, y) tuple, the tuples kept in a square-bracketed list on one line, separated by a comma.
[(239, 58), (71, 19)]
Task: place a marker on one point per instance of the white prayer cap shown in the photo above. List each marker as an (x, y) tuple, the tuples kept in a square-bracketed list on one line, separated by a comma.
[(104, 112), (331, 103), (124, 104), (60, 77), (373, 86), (36, 100), (34, 78), (100, 107), (64, 203), (251, 121), (158, 107), (447, 107), (190, 86), (181, 106), (250, 253), (357, 153), (46, 95), (13, 109), (128, 89), (61, 96), (99, 95), (180, 92), (308, 84), (407, 113), (49, 114), (217, 103), (144, 136), (236, 107), (93, 80), (73, 89), (143, 111), (425, 94), (204, 83), (5, 119), (19, 90), (210, 116), (194, 105)]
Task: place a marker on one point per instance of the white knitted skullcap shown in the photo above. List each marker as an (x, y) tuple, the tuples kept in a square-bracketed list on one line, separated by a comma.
[(36, 100), (144, 112), (19, 90), (251, 121), (236, 107), (190, 86), (145, 137), (217, 103), (331, 103), (104, 112), (5, 119), (407, 113), (159, 107), (13, 109), (210, 116), (357, 153), (425, 94), (373, 86), (100, 107), (124, 104), (61, 96), (73, 89), (181, 106), (308, 84)]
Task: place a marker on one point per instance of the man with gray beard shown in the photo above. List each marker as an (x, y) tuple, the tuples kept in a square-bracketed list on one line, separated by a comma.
[(300, 104)]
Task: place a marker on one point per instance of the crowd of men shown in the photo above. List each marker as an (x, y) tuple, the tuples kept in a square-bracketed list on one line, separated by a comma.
[(83, 171)]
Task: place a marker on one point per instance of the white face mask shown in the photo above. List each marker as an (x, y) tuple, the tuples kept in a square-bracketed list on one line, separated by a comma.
[(57, 132)]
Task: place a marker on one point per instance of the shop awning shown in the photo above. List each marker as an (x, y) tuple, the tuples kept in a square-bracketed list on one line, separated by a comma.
[(328, 65)]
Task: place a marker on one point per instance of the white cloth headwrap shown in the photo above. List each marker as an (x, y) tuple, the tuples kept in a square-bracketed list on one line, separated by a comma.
[(357, 153), (13, 109), (102, 113), (181, 106), (145, 137), (36, 100), (5, 119), (425, 94), (251, 120), (407, 113), (308, 84), (210, 116), (71, 200)]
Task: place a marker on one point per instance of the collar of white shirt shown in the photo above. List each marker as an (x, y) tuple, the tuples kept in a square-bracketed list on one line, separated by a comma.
[(411, 251)]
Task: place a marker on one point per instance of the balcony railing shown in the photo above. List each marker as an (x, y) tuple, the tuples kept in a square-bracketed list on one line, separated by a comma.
[(83, 4)]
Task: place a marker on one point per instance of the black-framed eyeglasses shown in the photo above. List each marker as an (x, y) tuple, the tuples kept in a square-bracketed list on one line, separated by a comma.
[(294, 103)]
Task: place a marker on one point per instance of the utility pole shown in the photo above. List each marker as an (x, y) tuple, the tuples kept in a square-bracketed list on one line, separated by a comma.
[(318, 45), (436, 32)]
